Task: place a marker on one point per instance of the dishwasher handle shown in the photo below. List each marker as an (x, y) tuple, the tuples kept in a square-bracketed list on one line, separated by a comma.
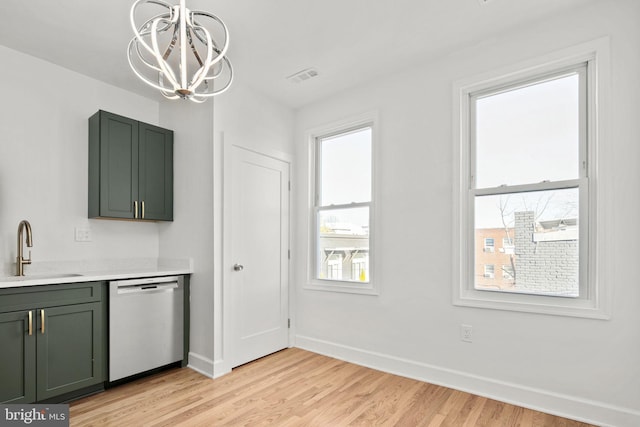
[(146, 288)]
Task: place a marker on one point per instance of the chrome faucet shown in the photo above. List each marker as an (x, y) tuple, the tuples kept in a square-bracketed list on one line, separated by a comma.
[(20, 261)]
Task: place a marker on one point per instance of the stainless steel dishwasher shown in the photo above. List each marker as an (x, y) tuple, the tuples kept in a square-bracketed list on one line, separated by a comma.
[(146, 320)]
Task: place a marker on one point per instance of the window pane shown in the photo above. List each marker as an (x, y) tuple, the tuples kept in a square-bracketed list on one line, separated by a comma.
[(528, 134), (345, 168), (343, 244), (535, 237)]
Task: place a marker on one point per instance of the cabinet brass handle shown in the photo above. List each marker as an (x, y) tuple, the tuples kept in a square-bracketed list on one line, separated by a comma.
[(42, 320), (135, 209), (30, 322), (142, 209)]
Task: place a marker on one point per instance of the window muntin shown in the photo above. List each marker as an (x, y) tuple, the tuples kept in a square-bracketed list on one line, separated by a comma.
[(342, 205), (528, 171)]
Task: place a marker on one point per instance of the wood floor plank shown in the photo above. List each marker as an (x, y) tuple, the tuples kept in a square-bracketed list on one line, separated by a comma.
[(425, 405), (295, 388), (389, 403)]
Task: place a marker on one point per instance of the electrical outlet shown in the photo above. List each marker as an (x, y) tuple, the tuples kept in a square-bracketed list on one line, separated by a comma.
[(466, 333), (83, 234)]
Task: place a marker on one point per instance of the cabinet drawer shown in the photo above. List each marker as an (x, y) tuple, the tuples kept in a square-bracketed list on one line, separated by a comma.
[(30, 297)]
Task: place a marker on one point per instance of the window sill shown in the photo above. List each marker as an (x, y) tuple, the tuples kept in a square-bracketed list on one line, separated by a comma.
[(539, 304), (341, 287)]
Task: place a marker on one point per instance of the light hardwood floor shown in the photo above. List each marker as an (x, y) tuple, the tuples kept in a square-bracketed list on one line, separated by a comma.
[(296, 388)]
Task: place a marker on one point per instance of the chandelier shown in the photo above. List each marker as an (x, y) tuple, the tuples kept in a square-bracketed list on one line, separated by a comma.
[(175, 53)]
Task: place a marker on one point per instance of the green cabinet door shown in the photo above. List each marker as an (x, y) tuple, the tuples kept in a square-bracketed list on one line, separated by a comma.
[(69, 349), (113, 165), (17, 357), (155, 173), (130, 169)]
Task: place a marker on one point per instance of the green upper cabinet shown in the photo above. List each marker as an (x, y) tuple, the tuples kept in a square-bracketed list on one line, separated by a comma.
[(130, 169)]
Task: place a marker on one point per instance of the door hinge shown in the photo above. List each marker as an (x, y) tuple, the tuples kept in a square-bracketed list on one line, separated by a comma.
[(289, 323), (289, 185), (289, 253)]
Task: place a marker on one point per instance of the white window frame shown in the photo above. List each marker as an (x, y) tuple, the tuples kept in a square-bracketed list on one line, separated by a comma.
[(595, 298), (369, 119)]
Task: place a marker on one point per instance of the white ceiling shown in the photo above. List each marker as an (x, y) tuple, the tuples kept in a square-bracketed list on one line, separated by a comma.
[(347, 41)]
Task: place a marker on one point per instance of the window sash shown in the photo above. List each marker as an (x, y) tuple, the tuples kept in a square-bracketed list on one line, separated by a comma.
[(316, 264), (582, 71), (318, 166), (581, 183)]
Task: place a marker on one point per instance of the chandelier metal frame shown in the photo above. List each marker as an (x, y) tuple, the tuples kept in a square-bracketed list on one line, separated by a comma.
[(151, 63)]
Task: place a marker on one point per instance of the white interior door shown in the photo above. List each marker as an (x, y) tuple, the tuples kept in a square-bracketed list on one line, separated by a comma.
[(257, 253)]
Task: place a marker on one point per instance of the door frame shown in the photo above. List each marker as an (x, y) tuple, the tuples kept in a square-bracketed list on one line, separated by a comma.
[(226, 265)]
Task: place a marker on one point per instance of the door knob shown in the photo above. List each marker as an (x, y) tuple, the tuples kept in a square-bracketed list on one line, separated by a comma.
[(238, 267)]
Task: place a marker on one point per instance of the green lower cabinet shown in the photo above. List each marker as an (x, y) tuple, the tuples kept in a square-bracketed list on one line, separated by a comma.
[(17, 358), (69, 352), (51, 351)]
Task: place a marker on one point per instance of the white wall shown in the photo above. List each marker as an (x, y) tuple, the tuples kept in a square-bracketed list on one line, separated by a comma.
[(190, 235), (44, 111), (582, 368)]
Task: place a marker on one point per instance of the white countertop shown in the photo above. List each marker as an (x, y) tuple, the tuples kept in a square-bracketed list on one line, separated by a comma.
[(52, 273)]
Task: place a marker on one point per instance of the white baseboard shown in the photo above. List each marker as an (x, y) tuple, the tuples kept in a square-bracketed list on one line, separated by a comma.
[(540, 400), (201, 364), (220, 368)]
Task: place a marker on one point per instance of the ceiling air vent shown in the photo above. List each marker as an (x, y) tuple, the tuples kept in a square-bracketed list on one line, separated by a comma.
[(303, 75)]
